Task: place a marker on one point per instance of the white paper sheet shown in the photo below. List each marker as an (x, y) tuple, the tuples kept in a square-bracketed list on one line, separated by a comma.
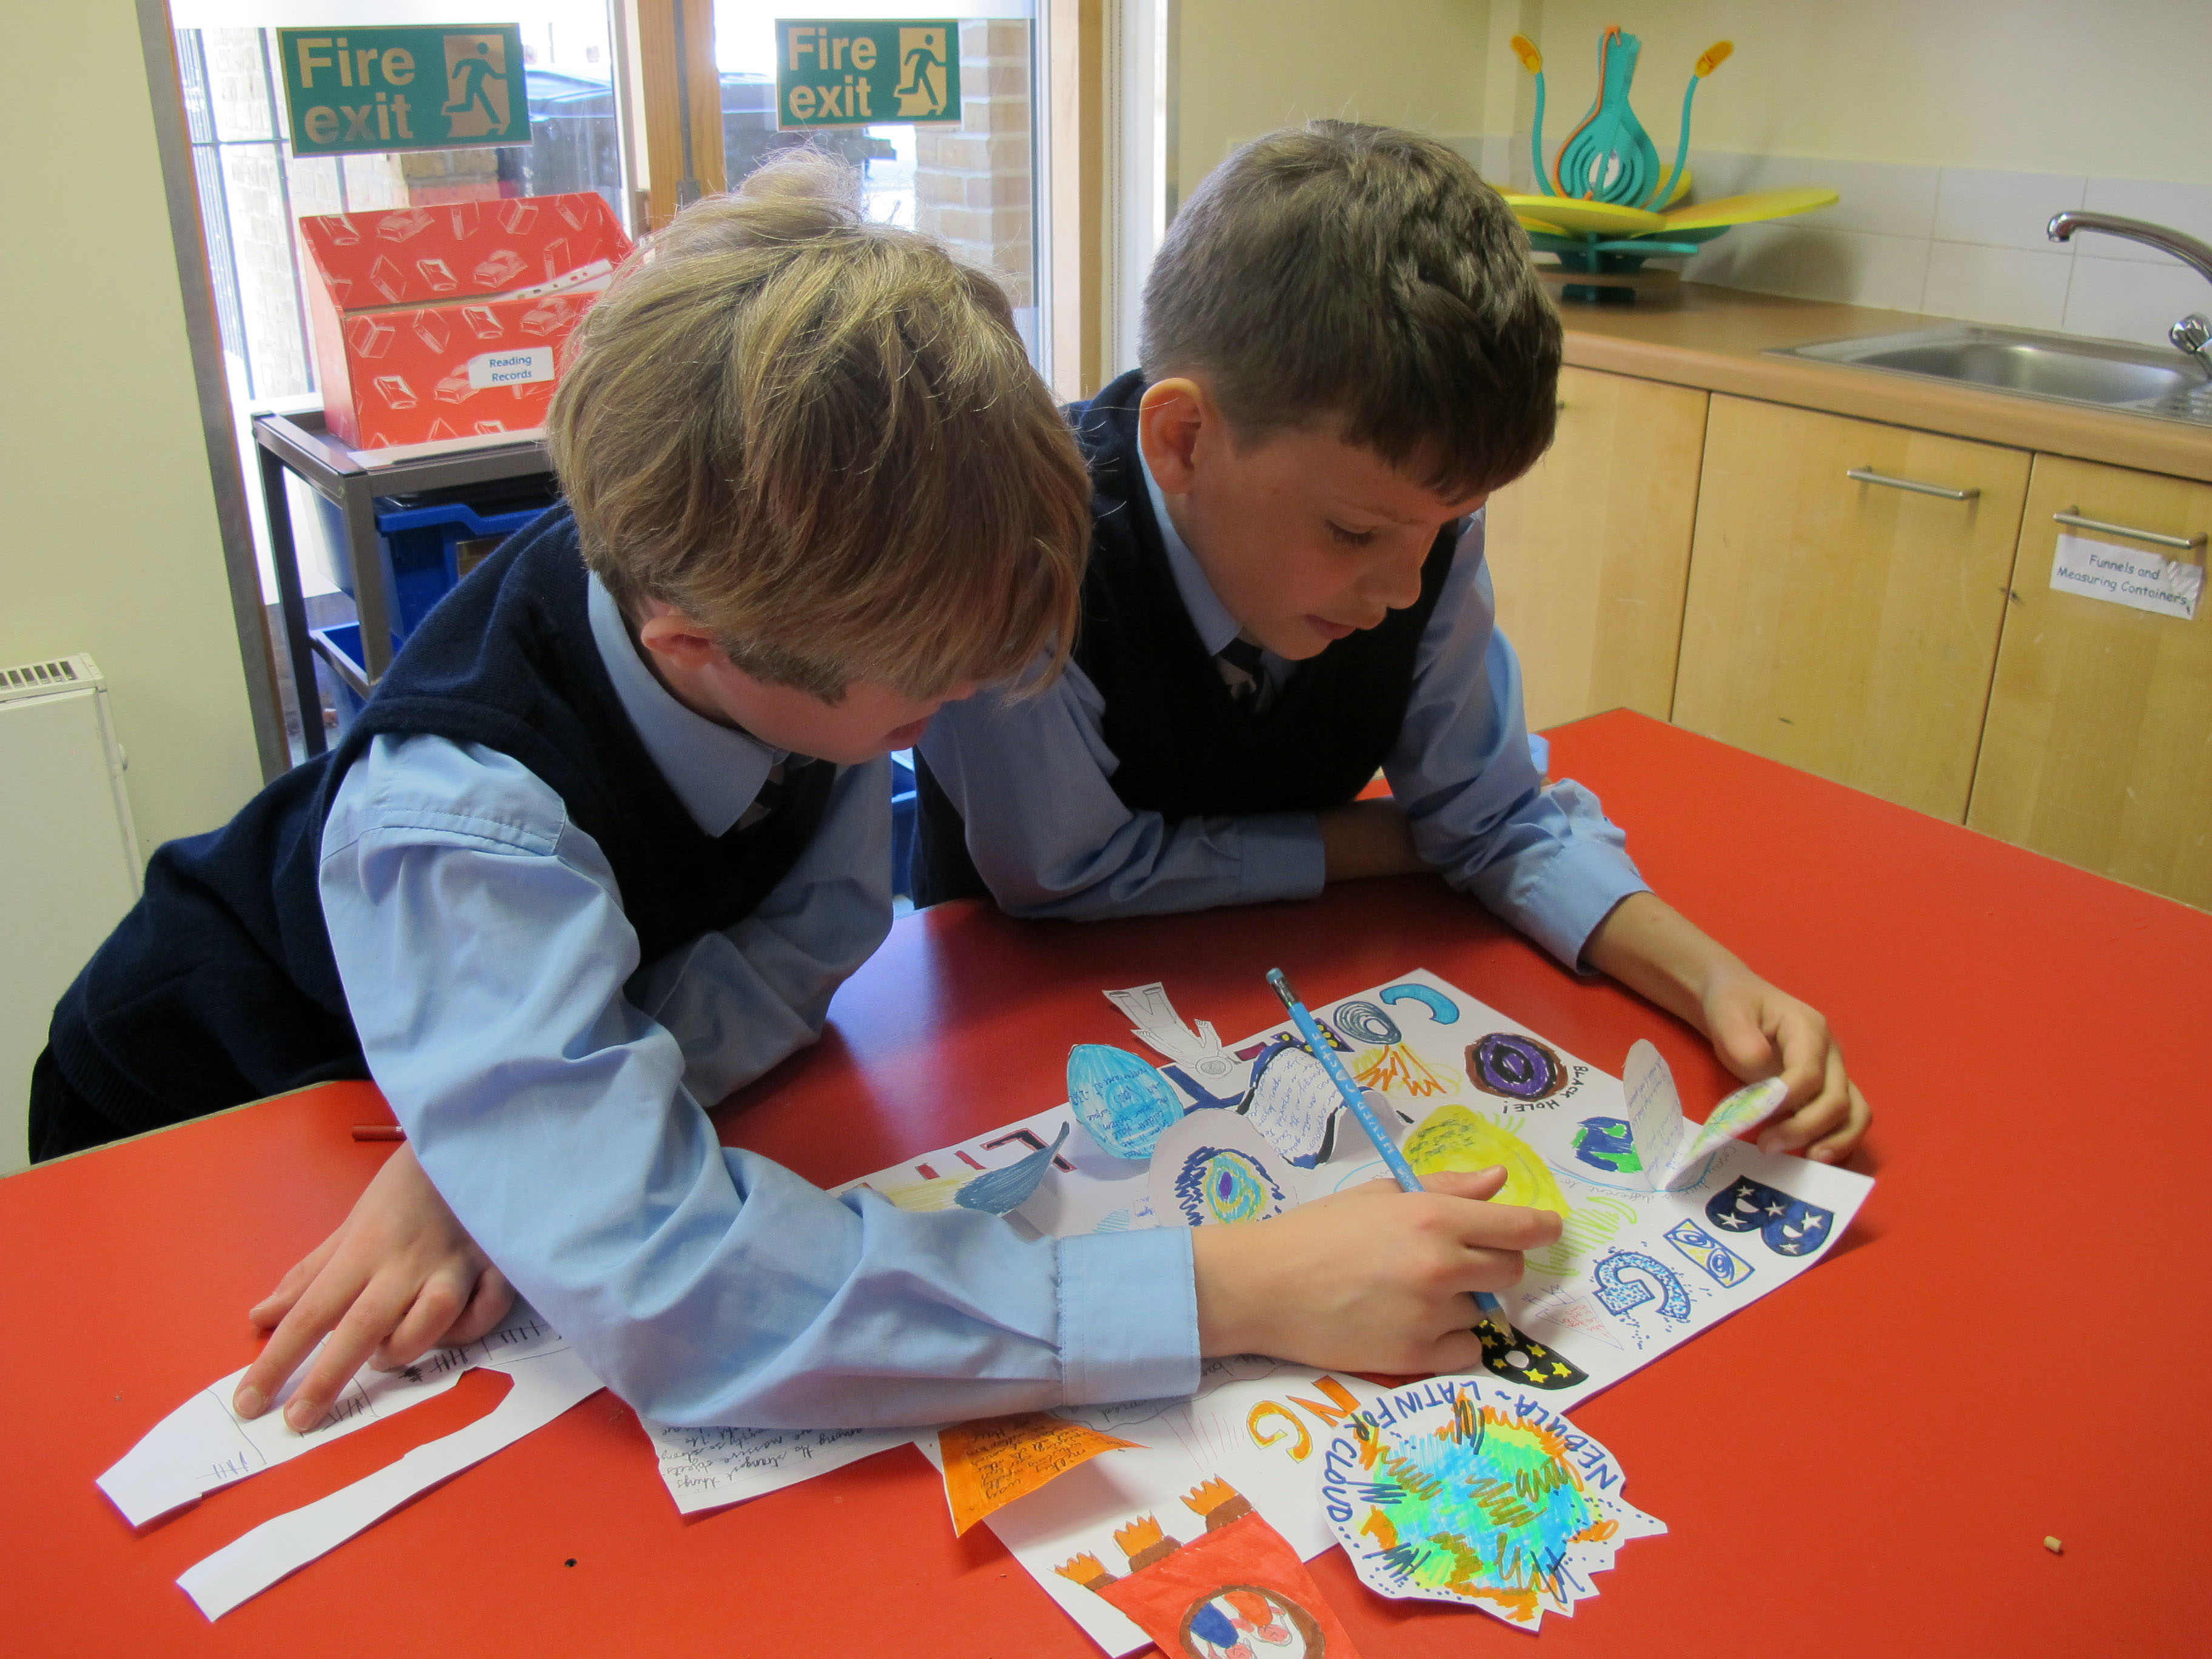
[(203, 1445), (705, 1468), (1637, 1272), (546, 1383)]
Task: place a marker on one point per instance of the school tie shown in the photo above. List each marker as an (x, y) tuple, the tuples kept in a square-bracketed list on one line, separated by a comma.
[(781, 777), (1249, 687)]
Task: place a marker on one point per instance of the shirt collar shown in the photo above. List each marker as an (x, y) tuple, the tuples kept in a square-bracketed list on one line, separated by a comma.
[(714, 770), (1216, 627)]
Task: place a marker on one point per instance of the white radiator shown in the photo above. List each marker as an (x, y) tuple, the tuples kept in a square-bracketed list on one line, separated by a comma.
[(69, 858)]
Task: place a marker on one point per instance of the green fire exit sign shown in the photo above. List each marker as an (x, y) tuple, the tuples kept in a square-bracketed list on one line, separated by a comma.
[(349, 90), (837, 72)]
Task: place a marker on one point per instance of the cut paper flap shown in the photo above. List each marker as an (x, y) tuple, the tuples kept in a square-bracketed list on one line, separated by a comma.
[(1293, 1104), (1465, 1491), (546, 1383), (1166, 1032), (992, 1460), (1667, 1149), (1239, 1589), (1214, 1167), (203, 1445), (1123, 1102), (705, 1468), (998, 1191)]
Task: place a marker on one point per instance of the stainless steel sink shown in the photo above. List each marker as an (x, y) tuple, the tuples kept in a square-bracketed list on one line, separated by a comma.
[(2061, 368)]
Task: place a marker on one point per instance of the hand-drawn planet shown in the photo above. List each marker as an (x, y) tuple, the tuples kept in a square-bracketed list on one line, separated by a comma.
[(1215, 1168), (1453, 1138), (1517, 1067), (1604, 1143), (1121, 1100)]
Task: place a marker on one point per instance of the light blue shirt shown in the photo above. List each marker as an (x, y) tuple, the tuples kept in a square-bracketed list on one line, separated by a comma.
[(552, 1085), (1031, 779)]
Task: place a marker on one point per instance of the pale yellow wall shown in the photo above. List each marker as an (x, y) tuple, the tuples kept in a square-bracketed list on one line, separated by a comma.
[(2115, 91), (108, 541), (1247, 69)]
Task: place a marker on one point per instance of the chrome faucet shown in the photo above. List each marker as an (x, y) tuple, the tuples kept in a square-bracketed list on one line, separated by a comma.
[(2193, 333)]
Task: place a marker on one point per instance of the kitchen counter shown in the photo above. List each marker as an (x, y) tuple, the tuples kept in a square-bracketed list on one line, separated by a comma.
[(1714, 338)]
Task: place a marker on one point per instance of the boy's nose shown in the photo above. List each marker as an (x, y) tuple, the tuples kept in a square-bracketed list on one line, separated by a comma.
[(1394, 579)]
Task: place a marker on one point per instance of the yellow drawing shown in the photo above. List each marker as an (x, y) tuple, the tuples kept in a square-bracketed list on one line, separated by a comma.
[(1453, 1138)]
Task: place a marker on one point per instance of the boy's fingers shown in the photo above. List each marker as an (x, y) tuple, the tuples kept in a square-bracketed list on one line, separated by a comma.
[(1742, 1046), (1834, 1148), (1810, 1061), (437, 1306), (312, 1314), (1830, 1107), (1508, 1227), (1458, 1350), (1467, 1183), (490, 1304), (271, 1309), (373, 1313)]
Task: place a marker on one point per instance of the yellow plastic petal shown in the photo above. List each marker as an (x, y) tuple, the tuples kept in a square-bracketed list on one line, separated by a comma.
[(1748, 209), (1716, 55), (1525, 50), (1585, 218)]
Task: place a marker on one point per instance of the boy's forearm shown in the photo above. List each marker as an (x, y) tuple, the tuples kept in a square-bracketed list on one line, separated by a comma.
[(1368, 838), (1659, 953)]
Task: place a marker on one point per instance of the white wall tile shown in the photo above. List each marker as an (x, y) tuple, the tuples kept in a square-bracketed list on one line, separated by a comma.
[(2013, 286), (2120, 300), (1762, 257), (1877, 196), (2002, 209), (1858, 269), (2184, 208)]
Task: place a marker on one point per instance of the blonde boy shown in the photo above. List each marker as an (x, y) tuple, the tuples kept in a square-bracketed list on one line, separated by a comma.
[(605, 844)]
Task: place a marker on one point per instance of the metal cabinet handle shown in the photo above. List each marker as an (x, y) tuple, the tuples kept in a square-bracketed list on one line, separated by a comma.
[(2073, 519), (1861, 475)]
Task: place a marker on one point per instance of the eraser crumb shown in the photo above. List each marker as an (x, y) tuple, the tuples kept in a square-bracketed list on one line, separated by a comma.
[(2054, 1546)]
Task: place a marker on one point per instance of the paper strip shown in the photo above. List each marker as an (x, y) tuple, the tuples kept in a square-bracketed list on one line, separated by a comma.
[(546, 1385), (991, 1461), (203, 1445), (705, 1468)]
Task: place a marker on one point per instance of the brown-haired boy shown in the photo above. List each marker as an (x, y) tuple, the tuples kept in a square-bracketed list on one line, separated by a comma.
[(574, 875), (1344, 351)]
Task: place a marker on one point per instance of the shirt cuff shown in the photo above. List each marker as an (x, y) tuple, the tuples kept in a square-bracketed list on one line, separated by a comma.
[(1279, 857), (1577, 891), (1128, 1316)]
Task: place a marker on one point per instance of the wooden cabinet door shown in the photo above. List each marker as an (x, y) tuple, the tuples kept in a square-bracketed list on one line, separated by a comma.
[(1589, 551), (2099, 749), (1845, 627)]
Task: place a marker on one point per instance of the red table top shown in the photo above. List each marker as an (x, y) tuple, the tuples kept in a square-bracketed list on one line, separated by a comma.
[(2006, 1346)]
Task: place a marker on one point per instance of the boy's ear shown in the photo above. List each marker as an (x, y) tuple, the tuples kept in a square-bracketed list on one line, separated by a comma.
[(669, 634), (1172, 416)]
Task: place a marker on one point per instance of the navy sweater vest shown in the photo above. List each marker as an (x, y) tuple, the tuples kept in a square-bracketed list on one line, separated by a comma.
[(1186, 746), (220, 986)]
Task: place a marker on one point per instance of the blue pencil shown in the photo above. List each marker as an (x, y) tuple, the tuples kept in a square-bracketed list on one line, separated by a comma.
[(1493, 1310)]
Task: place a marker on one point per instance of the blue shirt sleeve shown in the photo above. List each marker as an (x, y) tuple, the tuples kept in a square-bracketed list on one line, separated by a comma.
[(1031, 779), (1545, 859), (552, 1092)]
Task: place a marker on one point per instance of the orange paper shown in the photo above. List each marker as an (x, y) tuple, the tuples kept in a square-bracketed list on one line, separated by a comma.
[(990, 1462)]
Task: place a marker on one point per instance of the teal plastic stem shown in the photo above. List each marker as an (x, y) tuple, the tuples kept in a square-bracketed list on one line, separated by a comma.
[(1536, 141), (1655, 200)]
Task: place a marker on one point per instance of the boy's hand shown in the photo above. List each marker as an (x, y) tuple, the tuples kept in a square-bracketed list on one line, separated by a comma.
[(1758, 1030), (1372, 1279), (1368, 838), (400, 1278)]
